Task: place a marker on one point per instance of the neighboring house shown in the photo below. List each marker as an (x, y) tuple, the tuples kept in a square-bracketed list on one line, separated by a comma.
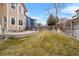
[(30, 23), (65, 26), (77, 13), (71, 27), (74, 25), (12, 16), (33, 24)]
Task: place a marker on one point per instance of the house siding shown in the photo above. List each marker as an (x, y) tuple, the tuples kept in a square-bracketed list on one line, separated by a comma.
[(7, 11), (22, 17), (12, 13), (3, 12)]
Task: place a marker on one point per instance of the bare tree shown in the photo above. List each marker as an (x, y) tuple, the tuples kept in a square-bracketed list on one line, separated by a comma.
[(57, 7), (55, 10)]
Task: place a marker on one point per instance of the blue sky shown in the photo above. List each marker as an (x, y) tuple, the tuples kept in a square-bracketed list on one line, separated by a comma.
[(40, 11)]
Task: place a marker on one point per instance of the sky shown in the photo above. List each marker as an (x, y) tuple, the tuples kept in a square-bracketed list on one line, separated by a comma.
[(41, 11)]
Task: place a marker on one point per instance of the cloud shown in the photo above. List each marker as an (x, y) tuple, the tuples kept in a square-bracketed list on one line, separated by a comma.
[(27, 13), (40, 19), (65, 16), (50, 11), (34, 17), (70, 9), (67, 11), (42, 22)]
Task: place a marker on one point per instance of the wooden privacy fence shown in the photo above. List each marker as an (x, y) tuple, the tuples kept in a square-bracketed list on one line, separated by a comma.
[(46, 28), (70, 28)]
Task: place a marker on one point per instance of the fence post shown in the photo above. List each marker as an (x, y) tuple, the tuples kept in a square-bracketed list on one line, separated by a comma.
[(71, 29)]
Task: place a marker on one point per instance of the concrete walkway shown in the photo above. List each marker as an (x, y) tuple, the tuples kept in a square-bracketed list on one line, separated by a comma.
[(19, 34)]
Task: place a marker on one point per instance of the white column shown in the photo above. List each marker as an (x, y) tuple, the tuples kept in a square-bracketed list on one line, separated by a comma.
[(7, 16), (18, 17)]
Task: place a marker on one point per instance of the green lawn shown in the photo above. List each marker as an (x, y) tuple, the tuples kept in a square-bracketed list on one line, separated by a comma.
[(42, 43)]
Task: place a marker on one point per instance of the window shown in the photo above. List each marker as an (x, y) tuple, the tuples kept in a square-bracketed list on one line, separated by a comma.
[(13, 5), (13, 20), (20, 9), (20, 22)]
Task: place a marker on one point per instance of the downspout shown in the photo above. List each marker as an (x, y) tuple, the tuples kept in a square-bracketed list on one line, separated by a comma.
[(18, 17), (7, 17)]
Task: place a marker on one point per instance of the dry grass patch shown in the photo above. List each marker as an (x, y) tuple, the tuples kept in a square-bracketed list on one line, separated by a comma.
[(41, 43)]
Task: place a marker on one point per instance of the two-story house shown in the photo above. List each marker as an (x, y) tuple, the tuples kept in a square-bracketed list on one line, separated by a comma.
[(12, 17)]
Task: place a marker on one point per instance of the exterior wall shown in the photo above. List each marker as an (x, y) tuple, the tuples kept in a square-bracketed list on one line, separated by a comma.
[(7, 11), (28, 23), (3, 12), (24, 23), (22, 17), (19, 16), (13, 13)]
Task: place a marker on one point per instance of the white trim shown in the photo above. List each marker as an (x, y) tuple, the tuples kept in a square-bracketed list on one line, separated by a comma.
[(3, 20), (18, 17), (10, 20), (7, 17), (15, 21), (2, 25)]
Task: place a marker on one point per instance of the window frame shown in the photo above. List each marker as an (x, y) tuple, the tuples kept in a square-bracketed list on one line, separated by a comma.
[(11, 20), (11, 6), (20, 22)]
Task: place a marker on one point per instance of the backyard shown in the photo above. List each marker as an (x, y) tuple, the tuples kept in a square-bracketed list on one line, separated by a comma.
[(42, 43)]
